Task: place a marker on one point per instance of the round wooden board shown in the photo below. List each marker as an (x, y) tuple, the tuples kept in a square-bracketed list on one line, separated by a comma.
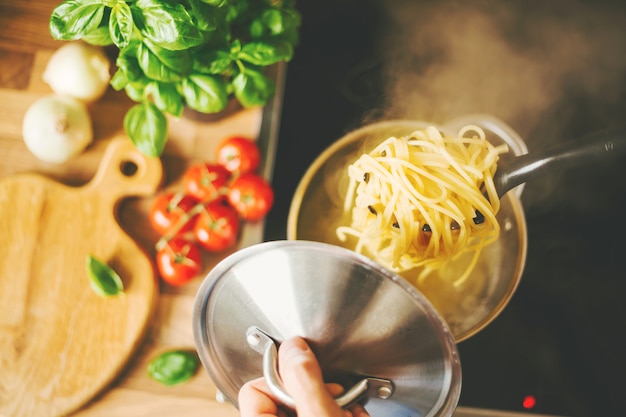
[(60, 342)]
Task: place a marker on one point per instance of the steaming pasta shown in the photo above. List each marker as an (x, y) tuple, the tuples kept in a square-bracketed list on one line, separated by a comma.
[(414, 198)]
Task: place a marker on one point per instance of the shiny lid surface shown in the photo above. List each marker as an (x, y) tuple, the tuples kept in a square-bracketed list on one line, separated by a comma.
[(360, 319)]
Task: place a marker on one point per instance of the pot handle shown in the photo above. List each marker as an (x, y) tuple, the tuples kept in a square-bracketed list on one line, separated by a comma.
[(264, 344)]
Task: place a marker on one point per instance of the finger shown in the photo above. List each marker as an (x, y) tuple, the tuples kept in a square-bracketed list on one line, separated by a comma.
[(255, 400), (334, 389), (302, 377), (355, 410), (358, 410)]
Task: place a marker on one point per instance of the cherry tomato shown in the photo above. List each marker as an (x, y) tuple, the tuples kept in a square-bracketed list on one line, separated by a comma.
[(238, 154), (170, 210), (251, 196), (206, 182), (179, 261), (217, 227)]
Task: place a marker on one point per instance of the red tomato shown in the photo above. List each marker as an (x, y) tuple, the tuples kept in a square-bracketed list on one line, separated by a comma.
[(206, 182), (217, 227), (251, 196), (179, 261), (170, 210), (238, 154)]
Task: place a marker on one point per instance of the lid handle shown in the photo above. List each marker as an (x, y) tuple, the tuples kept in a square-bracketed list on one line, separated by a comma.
[(263, 343)]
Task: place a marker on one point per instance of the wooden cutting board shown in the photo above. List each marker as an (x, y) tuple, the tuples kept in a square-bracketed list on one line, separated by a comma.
[(60, 342)]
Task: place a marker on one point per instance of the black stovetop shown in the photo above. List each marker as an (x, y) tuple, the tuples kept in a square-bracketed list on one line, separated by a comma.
[(561, 340)]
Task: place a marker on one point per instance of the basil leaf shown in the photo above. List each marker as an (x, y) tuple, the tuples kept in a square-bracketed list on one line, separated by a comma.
[(271, 20), (235, 47), (135, 90), (128, 63), (174, 367), (102, 278), (119, 80), (165, 96), (99, 36), (121, 24), (211, 61), (162, 64), (217, 3), (205, 93), (205, 16), (174, 53), (283, 23), (266, 52), (168, 24), (252, 88), (72, 19), (146, 126)]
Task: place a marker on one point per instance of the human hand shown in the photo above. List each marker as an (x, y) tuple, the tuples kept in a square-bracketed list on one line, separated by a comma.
[(302, 378)]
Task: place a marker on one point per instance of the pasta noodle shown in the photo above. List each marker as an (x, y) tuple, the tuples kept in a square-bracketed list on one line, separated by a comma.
[(413, 199)]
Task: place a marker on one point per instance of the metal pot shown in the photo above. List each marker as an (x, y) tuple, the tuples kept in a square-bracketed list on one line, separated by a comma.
[(316, 211), (372, 332)]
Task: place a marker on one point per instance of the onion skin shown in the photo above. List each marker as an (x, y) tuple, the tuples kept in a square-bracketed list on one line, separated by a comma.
[(57, 128), (78, 70)]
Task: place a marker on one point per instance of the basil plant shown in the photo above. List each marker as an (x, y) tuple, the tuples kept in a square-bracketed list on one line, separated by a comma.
[(177, 53)]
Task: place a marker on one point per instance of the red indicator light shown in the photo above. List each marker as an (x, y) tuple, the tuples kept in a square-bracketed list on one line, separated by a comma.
[(529, 402)]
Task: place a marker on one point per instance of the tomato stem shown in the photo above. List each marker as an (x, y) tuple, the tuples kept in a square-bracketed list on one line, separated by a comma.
[(187, 216), (175, 201)]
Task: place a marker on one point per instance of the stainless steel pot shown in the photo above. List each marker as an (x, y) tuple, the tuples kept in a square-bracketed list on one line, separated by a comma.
[(372, 332), (317, 210)]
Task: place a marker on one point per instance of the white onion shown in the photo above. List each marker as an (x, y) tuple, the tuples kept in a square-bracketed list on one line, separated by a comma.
[(56, 128), (78, 70)]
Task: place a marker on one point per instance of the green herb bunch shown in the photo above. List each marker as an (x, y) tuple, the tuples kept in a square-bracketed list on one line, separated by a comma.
[(172, 54)]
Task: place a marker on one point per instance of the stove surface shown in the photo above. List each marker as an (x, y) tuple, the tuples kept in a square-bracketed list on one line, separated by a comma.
[(558, 347)]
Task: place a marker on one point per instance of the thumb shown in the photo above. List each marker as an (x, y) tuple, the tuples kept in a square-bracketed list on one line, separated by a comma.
[(302, 377)]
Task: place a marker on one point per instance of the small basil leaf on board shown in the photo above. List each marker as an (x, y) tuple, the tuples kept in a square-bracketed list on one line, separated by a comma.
[(146, 126), (174, 367), (103, 279)]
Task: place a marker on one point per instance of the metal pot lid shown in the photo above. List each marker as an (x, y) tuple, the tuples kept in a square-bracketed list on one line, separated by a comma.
[(372, 332)]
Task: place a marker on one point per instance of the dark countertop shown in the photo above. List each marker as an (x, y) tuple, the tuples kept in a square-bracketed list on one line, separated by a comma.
[(560, 340)]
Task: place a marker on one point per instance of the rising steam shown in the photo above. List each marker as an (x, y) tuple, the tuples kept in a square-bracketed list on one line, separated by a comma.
[(443, 59)]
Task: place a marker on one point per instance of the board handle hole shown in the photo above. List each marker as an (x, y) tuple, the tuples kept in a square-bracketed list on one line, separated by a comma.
[(128, 168)]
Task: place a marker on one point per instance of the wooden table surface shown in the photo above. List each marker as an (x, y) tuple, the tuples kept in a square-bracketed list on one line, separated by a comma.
[(25, 46)]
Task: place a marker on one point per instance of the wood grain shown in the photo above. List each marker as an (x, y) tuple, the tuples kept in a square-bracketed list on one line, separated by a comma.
[(60, 343)]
